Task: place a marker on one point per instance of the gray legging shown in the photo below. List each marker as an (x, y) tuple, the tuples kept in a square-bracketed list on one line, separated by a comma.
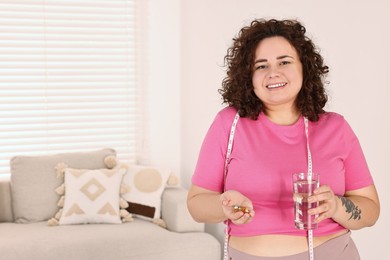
[(339, 248)]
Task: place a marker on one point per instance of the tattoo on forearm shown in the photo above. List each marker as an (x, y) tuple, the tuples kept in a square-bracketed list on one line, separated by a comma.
[(351, 208)]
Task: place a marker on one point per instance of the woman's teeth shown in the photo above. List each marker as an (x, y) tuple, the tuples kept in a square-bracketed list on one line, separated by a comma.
[(276, 85)]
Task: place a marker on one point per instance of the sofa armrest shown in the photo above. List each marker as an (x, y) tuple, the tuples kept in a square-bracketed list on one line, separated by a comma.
[(175, 213), (5, 199)]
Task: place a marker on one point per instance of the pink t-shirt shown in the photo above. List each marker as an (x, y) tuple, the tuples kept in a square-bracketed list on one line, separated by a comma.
[(263, 159)]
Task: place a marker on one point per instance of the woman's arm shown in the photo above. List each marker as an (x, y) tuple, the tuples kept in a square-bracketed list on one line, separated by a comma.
[(205, 205), (213, 207), (355, 210)]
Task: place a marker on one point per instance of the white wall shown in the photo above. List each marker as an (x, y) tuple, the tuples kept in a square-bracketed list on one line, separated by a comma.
[(161, 79), (354, 39)]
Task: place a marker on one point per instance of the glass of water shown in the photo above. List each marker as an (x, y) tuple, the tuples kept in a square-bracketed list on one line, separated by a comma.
[(304, 185)]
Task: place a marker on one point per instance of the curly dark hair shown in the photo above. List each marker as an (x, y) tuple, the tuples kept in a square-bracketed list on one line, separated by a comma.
[(237, 88)]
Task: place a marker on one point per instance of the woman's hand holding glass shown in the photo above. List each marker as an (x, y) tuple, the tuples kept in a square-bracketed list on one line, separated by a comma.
[(328, 203), (237, 207)]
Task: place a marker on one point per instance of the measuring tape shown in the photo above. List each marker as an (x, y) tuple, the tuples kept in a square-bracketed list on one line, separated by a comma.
[(310, 176), (228, 152)]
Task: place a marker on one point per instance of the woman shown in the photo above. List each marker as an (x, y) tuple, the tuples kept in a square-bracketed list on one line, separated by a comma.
[(275, 79)]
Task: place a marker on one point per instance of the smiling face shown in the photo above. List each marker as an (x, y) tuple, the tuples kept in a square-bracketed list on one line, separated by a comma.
[(278, 75)]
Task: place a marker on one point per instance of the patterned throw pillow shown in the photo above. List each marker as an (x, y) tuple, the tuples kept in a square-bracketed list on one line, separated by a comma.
[(146, 185), (90, 196)]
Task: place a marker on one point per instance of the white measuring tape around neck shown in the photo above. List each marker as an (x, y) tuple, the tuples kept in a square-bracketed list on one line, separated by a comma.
[(310, 176), (228, 152)]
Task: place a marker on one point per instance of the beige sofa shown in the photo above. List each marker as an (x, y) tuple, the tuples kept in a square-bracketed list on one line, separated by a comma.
[(30, 237)]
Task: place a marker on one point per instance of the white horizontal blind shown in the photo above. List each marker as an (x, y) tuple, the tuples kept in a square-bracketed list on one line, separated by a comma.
[(67, 77)]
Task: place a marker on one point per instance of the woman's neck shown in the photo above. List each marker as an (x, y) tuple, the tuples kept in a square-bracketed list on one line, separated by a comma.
[(283, 116)]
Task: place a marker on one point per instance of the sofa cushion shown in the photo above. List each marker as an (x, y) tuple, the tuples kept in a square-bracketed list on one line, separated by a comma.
[(33, 181), (5, 199), (146, 185), (140, 240), (91, 196)]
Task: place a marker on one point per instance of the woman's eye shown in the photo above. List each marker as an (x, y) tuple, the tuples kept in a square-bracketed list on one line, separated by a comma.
[(261, 67), (285, 62)]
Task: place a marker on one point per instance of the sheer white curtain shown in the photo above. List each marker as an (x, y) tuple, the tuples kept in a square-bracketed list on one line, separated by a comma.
[(68, 77)]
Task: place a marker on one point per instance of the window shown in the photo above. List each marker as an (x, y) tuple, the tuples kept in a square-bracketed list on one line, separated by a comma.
[(68, 77)]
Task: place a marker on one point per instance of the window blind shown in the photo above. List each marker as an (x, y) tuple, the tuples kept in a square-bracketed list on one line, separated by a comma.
[(68, 77)]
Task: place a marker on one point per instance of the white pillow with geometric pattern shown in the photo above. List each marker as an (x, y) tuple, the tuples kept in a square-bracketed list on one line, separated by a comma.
[(91, 196)]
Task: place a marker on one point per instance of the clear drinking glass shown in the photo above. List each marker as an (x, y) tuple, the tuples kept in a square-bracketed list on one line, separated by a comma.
[(303, 188)]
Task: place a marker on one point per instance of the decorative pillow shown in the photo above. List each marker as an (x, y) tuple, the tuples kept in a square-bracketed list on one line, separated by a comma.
[(90, 196), (33, 181), (146, 185)]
